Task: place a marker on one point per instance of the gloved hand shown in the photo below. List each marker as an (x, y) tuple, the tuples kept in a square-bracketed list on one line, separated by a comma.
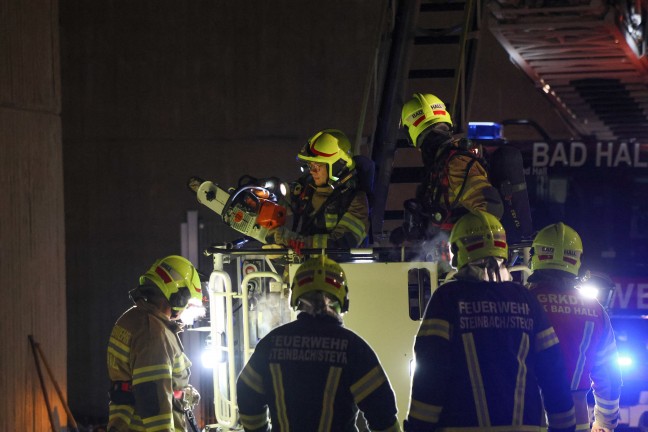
[(286, 237), (191, 397)]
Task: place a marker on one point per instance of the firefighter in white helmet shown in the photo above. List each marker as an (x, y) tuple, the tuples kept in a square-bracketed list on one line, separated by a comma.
[(313, 374), (583, 327), (147, 366), (329, 207), (485, 348), (455, 179)]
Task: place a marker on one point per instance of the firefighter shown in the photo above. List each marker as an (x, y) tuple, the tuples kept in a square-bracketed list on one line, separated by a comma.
[(581, 323), (313, 374), (485, 347), (455, 180), (147, 366), (329, 208)]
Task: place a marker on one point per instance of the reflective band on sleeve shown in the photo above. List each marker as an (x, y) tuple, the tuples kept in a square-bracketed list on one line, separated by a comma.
[(425, 412), (151, 373), (256, 421), (434, 327), (545, 339), (181, 363), (122, 412), (367, 384), (354, 225), (252, 379), (118, 350), (162, 422)]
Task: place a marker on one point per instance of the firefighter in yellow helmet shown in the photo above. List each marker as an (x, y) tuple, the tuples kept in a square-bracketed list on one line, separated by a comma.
[(313, 374), (147, 366), (586, 337), (329, 207), (485, 348), (455, 179)]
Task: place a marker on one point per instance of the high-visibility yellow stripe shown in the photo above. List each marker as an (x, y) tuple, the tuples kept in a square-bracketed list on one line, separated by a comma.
[(580, 363), (181, 363), (332, 383), (330, 220), (583, 427), (606, 403), (159, 422), (479, 396), (122, 412), (353, 224), (520, 381), (252, 379), (604, 410), (367, 384), (435, 327), (256, 421), (119, 354), (545, 339), (424, 412), (151, 373), (119, 346), (280, 400)]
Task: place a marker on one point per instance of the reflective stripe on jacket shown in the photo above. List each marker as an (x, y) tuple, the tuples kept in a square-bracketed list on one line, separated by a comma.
[(145, 350)]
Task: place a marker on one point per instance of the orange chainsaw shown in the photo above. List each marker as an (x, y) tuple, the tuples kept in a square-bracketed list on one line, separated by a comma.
[(253, 208)]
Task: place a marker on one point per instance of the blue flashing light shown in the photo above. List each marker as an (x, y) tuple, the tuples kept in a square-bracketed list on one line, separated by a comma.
[(484, 131), (624, 361)]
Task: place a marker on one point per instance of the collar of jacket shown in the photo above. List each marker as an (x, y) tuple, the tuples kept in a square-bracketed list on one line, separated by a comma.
[(322, 318), (174, 326), (555, 278)]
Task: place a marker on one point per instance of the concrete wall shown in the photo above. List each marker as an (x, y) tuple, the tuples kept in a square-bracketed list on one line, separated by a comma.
[(32, 248)]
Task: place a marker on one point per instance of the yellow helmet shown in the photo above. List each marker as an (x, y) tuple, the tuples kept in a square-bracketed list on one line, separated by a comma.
[(557, 247), (320, 274), (177, 279), (477, 235), (332, 147), (422, 111)]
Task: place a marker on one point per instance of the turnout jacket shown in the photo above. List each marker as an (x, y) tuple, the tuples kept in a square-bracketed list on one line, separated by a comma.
[(343, 222), (145, 353), (456, 183), (482, 350), (588, 346), (312, 375)]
